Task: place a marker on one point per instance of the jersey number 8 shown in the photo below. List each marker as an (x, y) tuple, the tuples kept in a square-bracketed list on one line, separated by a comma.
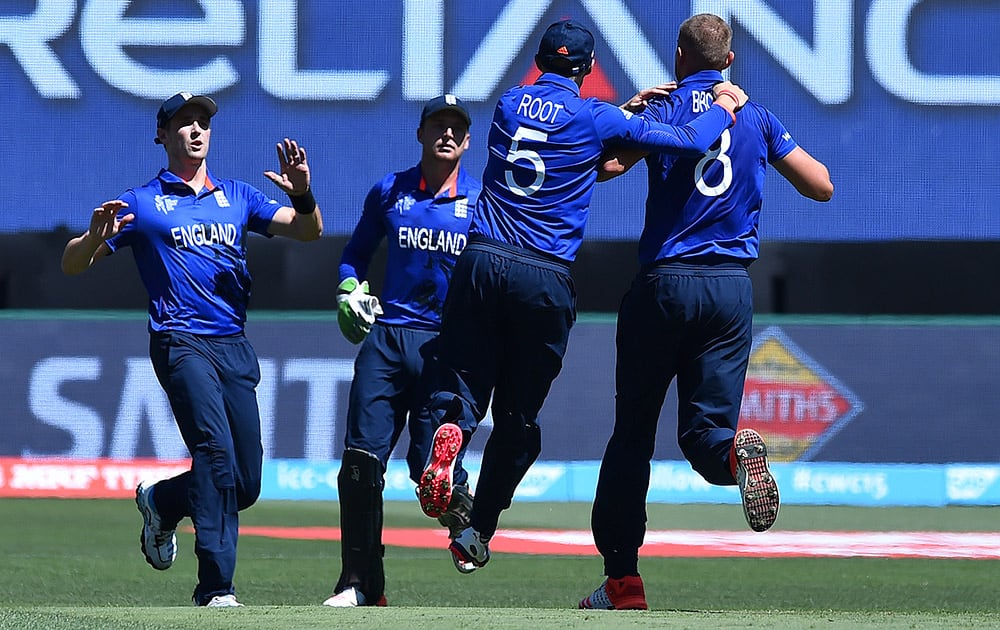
[(727, 168)]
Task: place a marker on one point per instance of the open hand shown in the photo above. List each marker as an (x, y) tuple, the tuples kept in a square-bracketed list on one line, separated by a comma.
[(104, 223), (294, 175), (642, 98)]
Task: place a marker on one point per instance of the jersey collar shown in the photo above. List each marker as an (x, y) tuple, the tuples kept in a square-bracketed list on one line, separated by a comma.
[(171, 180), (702, 77), (459, 187), (557, 80)]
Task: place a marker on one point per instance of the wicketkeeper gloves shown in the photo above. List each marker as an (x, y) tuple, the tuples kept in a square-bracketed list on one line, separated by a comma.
[(356, 309)]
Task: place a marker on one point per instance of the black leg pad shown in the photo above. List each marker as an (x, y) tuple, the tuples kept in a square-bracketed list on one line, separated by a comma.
[(360, 484)]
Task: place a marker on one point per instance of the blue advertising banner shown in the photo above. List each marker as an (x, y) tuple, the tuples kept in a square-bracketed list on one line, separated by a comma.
[(892, 391), (810, 483), (903, 122), (804, 483)]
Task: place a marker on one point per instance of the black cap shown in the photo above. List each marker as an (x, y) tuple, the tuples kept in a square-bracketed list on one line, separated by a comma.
[(567, 47), (174, 104), (443, 103)]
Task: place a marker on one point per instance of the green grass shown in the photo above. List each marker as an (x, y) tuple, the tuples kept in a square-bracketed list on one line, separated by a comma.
[(75, 564)]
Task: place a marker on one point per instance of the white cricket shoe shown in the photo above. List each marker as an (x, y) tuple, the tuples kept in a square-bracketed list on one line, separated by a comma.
[(158, 545), (223, 601), (758, 488), (349, 598)]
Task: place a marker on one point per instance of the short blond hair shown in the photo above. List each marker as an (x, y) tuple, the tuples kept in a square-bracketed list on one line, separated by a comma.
[(707, 40)]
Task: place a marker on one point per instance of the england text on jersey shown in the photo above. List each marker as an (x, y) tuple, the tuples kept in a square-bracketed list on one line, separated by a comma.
[(431, 240), (205, 234)]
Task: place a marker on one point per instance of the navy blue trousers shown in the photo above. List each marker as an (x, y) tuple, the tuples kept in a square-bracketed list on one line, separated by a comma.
[(505, 326), (692, 322), (392, 381), (211, 384)]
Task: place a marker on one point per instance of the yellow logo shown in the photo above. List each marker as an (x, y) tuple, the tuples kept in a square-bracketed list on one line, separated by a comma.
[(791, 400)]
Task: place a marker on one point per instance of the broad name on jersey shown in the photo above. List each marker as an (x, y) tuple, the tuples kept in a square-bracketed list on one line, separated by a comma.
[(198, 234), (701, 101), (538, 109), (431, 240)]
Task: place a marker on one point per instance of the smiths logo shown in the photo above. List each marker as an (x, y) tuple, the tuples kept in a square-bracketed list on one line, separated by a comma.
[(793, 402)]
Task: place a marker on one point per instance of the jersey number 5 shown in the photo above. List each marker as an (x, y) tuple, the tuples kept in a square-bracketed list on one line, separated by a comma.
[(727, 168), (515, 154)]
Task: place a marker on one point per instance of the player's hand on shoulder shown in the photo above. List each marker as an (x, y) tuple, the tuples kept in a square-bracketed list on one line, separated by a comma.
[(730, 96), (293, 173), (642, 98), (357, 309)]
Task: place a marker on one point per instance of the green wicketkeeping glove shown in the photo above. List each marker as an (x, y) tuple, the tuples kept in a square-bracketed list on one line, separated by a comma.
[(356, 309)]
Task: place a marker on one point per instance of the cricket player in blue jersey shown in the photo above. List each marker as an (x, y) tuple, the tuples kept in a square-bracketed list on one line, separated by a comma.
[(688, 312), (512, 303), (423, 213), (188, 230)]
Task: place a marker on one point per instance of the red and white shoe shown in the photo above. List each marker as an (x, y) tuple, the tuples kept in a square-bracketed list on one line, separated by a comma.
[(469, 551), (758, 488), (435, 485), (625, 593)]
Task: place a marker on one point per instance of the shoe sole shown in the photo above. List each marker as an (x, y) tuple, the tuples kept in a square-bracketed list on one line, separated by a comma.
[(585, 604), (380, 602), (434, 488), (758, 488), (461, 564), (464, 561), (633, 603), (143, 508), (637, 605)]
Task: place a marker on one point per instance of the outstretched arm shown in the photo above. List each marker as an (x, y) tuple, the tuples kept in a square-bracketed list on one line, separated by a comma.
[(83, 251), (809, 176), (618, 160), (693, 138), (302, 220)]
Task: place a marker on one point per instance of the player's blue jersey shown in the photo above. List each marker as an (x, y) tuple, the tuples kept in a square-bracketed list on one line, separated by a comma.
[(425, 236), (190, 250), (545, 143), (709, 204)]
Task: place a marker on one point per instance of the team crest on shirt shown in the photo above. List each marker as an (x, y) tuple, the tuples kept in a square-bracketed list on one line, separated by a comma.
[(164, 203), (462, 208), (220, 198), (403, 204)]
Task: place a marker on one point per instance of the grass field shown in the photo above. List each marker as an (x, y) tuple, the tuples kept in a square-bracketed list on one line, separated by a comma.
[(75, 564)]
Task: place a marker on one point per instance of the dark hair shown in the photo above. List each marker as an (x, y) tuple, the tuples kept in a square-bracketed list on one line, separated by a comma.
[(707, 40)]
